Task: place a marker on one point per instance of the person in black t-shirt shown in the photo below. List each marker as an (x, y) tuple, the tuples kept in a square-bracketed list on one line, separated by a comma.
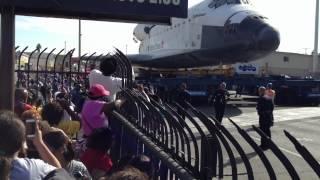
[(182, 97), (219, 101), (264, 108)]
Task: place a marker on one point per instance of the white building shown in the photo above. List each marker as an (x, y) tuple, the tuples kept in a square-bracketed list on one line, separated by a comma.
[(278, 63), (42, 61)]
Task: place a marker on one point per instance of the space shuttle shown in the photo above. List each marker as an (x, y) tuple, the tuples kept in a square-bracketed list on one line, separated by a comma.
[(215, 32)]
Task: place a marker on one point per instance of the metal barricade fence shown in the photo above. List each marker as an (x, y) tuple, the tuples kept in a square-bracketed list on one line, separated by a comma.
[(202, 150), (36, 69), (192, 148)]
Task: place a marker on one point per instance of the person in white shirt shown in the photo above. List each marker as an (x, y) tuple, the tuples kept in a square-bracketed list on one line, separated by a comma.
[(12, 140), (104, 76)]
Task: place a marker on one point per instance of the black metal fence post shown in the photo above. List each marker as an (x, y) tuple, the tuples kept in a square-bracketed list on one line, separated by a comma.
[(19, 66), (7, 58)]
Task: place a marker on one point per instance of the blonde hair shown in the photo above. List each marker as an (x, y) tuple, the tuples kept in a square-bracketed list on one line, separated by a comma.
[(31, 114)]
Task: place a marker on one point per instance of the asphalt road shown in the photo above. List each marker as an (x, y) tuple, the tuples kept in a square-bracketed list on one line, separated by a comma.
[(301, 122)]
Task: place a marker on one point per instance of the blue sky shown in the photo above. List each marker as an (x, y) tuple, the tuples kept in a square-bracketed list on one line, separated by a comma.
[(293, 18)]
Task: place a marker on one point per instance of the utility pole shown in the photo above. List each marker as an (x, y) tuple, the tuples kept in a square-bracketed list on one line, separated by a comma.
[(65, 47), (315, 51), (79, 38)]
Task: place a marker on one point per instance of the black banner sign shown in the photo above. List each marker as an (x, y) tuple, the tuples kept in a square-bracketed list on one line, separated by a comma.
[(119, 10)]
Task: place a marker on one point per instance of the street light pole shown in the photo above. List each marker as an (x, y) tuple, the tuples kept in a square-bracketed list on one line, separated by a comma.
[(315, 51)]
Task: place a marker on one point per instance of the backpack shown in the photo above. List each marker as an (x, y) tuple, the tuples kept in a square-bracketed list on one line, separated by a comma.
[(58, 174)]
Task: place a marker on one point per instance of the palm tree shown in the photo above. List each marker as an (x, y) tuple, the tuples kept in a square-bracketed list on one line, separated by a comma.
[(38, 47)]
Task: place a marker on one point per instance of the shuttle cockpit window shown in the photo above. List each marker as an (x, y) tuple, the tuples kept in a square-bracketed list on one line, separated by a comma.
[(217, 3), (233, 1), (245, 1)]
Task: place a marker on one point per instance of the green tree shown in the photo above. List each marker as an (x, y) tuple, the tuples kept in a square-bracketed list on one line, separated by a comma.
[(38, 47)]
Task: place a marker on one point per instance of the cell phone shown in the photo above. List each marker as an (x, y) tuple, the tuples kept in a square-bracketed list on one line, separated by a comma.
[(30, 128)]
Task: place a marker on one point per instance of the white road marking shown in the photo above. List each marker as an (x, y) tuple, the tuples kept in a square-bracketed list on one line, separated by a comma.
[(252, 118), (248, 119), (283, 149), (305, 139)]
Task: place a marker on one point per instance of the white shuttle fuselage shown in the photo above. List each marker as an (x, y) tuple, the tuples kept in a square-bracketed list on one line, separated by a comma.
[(216, 31)]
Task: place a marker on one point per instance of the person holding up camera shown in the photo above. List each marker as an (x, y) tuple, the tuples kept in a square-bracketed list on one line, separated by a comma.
[(61, 146), (12, 141)]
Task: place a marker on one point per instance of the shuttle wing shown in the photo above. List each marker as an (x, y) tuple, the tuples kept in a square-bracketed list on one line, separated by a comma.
[(189, 58), (161, 58)]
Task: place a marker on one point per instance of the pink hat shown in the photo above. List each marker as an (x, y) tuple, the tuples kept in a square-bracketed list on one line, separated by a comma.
[(97, 90)]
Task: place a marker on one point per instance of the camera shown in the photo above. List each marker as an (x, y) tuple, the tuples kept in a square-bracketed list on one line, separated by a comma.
[(30, 128)]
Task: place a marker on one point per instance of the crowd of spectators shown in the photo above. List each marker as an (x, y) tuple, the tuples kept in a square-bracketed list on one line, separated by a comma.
[(71, 137)]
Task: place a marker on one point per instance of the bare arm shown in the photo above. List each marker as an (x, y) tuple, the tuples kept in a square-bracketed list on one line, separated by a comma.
[(43, 150), (73, 115), (108, 107), (66, 107)]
